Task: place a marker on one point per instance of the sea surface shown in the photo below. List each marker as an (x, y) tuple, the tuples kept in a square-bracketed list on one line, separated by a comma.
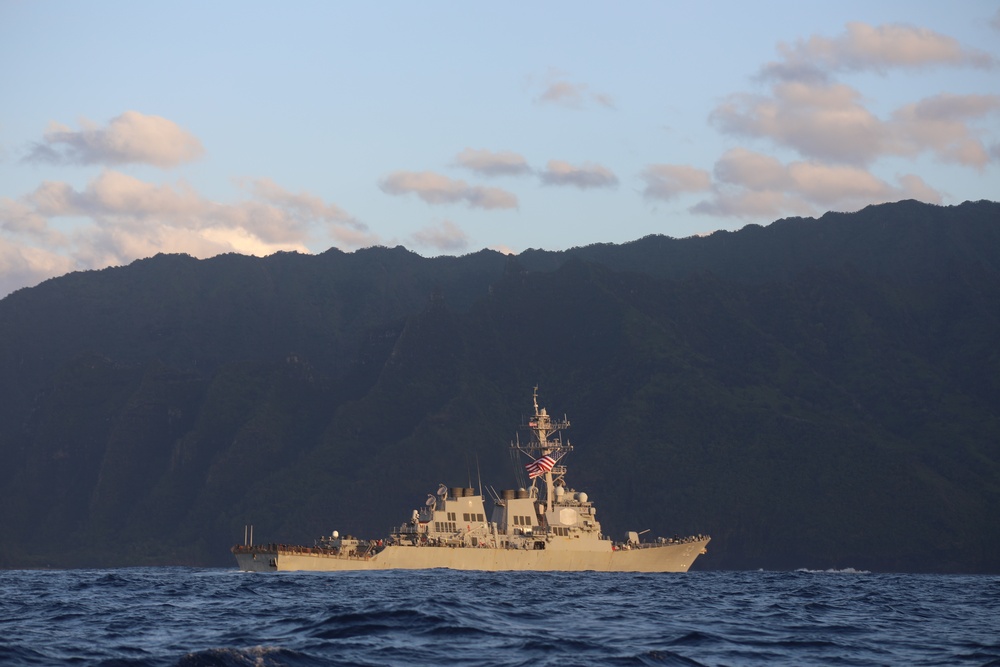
[(219, 617)]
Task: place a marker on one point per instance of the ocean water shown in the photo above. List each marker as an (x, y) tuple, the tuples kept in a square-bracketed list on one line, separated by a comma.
[(199, 617)]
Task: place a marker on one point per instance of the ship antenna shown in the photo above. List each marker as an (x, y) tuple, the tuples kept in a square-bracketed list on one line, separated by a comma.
[(479, 474)]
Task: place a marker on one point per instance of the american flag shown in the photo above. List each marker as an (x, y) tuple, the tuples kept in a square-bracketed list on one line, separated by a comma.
[(540, 466)]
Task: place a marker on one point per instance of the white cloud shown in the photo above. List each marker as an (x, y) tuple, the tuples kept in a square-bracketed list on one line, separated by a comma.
[(446, 236), (589, 175), (23, 265), (436, 188), (126, 218), (130, 138), (488, 163), (666, 181)]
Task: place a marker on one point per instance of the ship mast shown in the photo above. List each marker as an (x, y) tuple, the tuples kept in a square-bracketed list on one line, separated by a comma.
[(546, 440)]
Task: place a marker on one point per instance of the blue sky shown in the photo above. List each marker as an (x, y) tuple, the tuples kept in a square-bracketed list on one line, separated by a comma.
[(128, 128)]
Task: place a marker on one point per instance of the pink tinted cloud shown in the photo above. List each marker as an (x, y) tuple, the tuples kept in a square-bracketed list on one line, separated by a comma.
[(561, 92), (586, 176), (667, 181), (446, 236), (827, 122), (435, 188), (23, 219), (22, 265), (875, 48), (131, 138), (126, 218), (753, 170), (750, 204), (942, 124), (820, 120), (489, 163), (750, 184)]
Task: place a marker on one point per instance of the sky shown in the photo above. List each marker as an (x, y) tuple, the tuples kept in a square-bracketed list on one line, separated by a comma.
[(129, 129)]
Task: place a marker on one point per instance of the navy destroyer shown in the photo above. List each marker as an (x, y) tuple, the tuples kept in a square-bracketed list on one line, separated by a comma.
[(545, 525)]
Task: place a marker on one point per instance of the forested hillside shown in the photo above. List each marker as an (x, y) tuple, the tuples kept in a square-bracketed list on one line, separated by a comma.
[(814, 393)]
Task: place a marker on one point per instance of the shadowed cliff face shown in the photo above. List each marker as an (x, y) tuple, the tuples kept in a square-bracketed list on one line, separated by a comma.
[(816, 393)]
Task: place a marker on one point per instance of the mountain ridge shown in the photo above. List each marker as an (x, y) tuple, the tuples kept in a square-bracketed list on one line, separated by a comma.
[(815, 393)]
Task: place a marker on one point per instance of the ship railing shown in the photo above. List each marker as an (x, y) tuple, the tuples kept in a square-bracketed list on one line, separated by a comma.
[(661, 542), (363, 550)]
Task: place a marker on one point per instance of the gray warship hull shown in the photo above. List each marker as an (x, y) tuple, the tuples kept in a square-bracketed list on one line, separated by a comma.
[(653, 558)]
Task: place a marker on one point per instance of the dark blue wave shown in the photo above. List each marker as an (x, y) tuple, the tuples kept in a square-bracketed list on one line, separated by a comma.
[(188, 617)]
